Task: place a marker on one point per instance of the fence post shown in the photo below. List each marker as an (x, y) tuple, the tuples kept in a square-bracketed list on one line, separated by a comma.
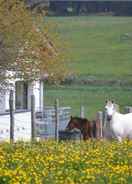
[(100, 119), (82, 111), (104, 119), (56, 119), (33, 134), (11, 105), (128, 109)]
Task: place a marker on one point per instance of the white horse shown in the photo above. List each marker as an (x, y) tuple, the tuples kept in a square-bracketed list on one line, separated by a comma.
[(121, 124)]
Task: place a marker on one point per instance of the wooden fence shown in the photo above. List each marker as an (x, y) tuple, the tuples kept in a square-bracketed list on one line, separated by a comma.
[(48, 122)]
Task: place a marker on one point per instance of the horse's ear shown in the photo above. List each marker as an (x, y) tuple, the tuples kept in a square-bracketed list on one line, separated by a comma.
[(112, 101), (71, 117), (106, 101)]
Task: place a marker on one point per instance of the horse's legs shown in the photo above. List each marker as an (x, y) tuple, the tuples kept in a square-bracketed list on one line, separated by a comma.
[(119, 138), (85, 136), (90, 133), (94, 130)]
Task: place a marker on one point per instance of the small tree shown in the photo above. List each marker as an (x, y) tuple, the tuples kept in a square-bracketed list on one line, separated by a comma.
[(26, 46)]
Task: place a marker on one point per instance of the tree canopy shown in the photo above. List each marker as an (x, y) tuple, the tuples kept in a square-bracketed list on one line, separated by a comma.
[(26, 45)]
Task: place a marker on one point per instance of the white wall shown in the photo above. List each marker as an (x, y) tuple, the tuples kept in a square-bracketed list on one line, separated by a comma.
[(7, 95), (22, 126), (7, 100), (2, 102), (35, 88), (30, 92), (38, 92)]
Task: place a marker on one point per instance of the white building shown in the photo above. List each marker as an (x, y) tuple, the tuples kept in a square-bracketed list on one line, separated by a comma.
[(22, 117), (22, 105), (22, 96)]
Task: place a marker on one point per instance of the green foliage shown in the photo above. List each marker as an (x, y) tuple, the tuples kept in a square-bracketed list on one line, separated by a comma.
[(26, 45), (5, 179)]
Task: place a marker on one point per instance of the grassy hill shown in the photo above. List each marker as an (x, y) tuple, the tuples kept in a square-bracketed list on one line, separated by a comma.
[(99, 46), (101, 49)]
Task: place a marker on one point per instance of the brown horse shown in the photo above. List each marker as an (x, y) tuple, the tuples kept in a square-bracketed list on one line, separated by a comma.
[(83, 124)]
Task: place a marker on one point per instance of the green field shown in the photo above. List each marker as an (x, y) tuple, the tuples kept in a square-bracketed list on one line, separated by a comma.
[(91, 97), (97, 50), (97, 46)]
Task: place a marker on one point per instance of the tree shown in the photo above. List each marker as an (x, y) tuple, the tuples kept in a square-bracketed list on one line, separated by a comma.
[(87, 7), (26, 47)]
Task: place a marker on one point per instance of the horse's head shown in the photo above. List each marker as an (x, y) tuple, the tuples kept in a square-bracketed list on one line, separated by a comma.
[(83, 124), (73, 123), (110, 109)]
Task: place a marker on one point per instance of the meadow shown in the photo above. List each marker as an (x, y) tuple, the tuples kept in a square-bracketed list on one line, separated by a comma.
[(97, 51), (91, 97), (49, 162), (97, 46)]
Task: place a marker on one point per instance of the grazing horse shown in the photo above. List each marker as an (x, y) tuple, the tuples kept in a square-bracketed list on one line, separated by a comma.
[(121, 124), (84, 125)]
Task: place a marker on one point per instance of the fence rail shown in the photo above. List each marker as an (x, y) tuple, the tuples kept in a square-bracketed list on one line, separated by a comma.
[(46, 120), (44, 124)]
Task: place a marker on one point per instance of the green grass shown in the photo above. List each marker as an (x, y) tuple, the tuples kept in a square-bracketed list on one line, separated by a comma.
[(95, 46), (96, 51), (93, 98)]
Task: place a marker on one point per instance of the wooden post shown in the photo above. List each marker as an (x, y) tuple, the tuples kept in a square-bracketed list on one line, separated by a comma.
[(82, 111), (56, 119), (104, 119), (41, 96), (11, 105), (33, 118), (128, 109), (100, 119)]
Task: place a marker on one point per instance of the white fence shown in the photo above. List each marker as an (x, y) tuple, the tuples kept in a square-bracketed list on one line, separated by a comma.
[(45, 123), (22, 128)]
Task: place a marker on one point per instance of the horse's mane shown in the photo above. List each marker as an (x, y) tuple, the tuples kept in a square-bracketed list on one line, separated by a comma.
[(116, 106), (84, 125), (79, 118)]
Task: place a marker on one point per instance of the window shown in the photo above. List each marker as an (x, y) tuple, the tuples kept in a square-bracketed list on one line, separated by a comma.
[(21, 88)]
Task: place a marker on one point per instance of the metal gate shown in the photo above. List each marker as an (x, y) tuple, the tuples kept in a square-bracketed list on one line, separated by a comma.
[(45, 121)]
